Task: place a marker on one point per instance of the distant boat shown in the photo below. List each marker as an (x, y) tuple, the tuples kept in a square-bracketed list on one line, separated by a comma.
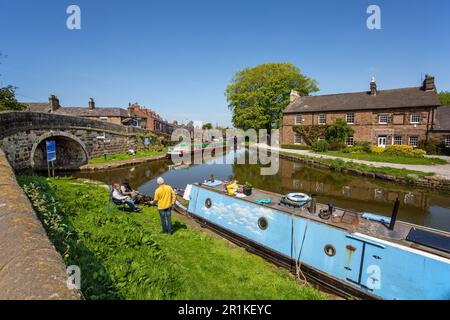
[(359, 255), (187, 148)]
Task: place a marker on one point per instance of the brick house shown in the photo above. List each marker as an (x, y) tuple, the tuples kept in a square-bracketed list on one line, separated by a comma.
[(113, 115), (382, 117), (441, 125), (154, 122)]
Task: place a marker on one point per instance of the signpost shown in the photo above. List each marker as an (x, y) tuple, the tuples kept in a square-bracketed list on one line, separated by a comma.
[(51, 156)]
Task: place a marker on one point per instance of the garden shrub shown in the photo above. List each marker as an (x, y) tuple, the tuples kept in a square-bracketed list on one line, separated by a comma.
[(336, 145), (376, 149), (321, 146), (404, 150), (363, 145)]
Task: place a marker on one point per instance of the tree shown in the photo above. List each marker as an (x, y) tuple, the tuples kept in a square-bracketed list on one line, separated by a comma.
[(8, 100), (339, 131), (444, 97), (257, 96), (207, 126)]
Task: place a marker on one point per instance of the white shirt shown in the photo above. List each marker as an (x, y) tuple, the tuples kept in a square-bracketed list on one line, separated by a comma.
[(118, 195)]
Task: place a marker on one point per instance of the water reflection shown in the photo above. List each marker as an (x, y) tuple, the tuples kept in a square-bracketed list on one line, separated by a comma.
[(418, 206)]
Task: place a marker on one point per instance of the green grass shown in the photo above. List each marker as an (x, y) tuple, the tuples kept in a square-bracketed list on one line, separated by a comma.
[(295, 147), (125, 256), (384, 157), (125, 156), (339, 164)]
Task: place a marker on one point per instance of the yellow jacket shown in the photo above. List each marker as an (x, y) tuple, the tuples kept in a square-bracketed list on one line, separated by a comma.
[(165, 196)]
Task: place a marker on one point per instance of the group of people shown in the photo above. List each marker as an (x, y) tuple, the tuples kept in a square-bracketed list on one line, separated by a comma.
[(164, 198)]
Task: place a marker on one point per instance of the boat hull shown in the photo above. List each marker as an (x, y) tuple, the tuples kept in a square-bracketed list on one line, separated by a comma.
[(348, 263)]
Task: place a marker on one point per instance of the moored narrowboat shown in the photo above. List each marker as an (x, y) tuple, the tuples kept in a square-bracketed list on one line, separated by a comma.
[(354, 254)]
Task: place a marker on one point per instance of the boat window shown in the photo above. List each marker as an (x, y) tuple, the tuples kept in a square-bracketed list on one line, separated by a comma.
[(329, 250), (262, 223), (208, 203)]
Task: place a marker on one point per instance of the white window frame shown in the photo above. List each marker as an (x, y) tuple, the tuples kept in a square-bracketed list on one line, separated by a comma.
[(297, 136), (320, 118), (414, 115), (447, 141), (393, 140), (383, 115), (410, 139), (298, 119), (352, 114), (350, 141), (105, 119)]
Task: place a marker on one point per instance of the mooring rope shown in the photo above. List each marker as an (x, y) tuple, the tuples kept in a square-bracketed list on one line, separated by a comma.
[(298, 263)]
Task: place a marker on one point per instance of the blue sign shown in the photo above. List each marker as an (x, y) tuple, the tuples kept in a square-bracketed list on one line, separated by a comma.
[(51, 150)]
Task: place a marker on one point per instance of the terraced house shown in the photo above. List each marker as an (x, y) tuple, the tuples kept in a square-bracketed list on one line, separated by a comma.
[(382, 117)]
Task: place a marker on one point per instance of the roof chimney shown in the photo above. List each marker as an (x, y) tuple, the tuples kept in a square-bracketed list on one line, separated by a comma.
[(294, 96), (428, 83), (53, 102), (373, 87), (91, 104)]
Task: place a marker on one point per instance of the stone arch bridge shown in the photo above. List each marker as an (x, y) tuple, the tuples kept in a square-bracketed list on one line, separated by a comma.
[(23, 137)]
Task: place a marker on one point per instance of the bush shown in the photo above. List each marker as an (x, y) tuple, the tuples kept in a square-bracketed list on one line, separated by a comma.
[(321, 146), (430, 146), (405, 150), (376, 150), (363, 145), (295, 147), (336, 145)]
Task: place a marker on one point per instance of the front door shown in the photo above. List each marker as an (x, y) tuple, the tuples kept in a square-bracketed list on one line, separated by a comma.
[(382, 141)]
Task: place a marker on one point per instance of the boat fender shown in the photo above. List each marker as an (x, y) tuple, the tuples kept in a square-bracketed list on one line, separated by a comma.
[(298, 197)]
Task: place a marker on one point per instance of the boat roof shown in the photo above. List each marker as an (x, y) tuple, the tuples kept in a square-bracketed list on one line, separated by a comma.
[(437, 242)]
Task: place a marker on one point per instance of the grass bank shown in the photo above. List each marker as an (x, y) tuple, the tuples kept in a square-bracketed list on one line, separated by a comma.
[(124, 255), (338, 164), (126, 156), (384, 157)]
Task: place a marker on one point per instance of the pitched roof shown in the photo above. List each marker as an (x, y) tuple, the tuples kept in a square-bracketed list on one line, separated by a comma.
[(37, 107), (385, 99), (442, 119)]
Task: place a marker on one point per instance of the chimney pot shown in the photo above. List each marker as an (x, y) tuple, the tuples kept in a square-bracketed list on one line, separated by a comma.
[(428, 83), (294, 96), (373, 87), (91, 104), (54, 103)]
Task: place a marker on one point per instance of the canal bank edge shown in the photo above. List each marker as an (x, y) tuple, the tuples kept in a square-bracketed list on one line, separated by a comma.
[(432, 182), (121, 163), (30, 266)]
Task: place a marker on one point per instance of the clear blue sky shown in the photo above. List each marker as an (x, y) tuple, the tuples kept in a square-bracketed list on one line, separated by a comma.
[(177, 57)]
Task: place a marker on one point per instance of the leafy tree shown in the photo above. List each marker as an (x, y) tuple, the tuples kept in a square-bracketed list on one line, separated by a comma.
[(257, 96), (8, 100), (339, 131), (444, 97), (207, 126)]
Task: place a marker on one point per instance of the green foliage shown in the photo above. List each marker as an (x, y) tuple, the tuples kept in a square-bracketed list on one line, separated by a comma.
[(295, 147), (257, 96), (405, 151), (321, 146), (248, 185), (207, 126), (444, 97), (364, 146), (434, 147), (8, 101), (310, 133), (339, 131), (336, 144), (125, 256)]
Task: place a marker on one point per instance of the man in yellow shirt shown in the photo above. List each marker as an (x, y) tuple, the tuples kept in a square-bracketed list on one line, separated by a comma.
[(165, 197)]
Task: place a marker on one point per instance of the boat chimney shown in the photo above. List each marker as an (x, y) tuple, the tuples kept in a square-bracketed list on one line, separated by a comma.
[(394, 215)]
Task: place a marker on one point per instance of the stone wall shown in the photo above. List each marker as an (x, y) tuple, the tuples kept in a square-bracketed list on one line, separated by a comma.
[(23, 137), (366, 124), (30, 267)]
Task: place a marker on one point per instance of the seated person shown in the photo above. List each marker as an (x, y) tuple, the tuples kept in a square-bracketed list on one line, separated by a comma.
[(118, 196), (136, 196)]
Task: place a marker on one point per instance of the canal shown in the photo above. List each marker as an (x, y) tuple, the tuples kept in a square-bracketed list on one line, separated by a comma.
[(418, 206)]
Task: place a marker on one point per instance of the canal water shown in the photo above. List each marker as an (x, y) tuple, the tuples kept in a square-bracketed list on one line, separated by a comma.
[(418, 206)]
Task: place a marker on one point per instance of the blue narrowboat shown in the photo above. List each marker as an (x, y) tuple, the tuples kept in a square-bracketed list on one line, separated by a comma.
[(354, 254)]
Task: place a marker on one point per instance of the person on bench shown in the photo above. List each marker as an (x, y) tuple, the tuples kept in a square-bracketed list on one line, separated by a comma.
[(119, 197)]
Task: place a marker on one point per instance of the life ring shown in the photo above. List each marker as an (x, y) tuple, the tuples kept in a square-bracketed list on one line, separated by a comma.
[(298, 197)]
